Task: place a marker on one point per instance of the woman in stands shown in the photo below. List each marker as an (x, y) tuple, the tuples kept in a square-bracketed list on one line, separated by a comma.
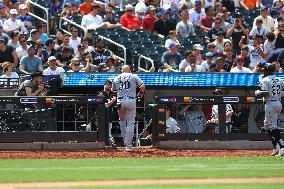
[(9, 74)]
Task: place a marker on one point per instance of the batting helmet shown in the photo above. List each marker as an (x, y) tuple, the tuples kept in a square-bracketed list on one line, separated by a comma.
[(269, 68)]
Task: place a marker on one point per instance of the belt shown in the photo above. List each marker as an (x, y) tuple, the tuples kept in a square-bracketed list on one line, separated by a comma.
[(273, 100), (127, 97)]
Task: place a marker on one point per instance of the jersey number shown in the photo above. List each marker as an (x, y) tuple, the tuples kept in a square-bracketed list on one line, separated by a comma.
[(276, 89), (124, 85)]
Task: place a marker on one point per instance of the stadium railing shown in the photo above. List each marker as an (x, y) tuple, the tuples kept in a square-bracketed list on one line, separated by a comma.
[(39, 18), (149, 60)]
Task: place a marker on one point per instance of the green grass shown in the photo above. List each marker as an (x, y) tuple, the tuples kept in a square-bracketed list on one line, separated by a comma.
[(139, 168), (194, 186)]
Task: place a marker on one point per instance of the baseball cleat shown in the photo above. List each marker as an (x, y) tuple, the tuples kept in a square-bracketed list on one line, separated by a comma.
[(129, 149), (274, 152), (281, 152)]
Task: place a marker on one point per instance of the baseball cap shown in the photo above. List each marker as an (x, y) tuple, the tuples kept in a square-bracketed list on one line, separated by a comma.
[(173, 44), (129, 7), (216, 59), (51, 58), (209, 54), (13, 11), (263, 9), (151, 7), (99, 40), (261, 64), (220, 33), (22, 6), (197, 2), (197, 47), (31, 46), (48, 41)]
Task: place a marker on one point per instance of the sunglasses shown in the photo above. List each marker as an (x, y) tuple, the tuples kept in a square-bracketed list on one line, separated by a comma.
[(76, 64), (129, 10), (108, 12), (22, 41), (217, 23)]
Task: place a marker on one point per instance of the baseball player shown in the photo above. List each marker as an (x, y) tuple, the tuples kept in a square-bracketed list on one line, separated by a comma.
[(272, 91), (171, 123), (109, 102), (125, 85), (194, 119), (229, 112)]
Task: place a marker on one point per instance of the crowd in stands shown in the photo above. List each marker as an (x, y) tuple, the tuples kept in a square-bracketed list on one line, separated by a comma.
[(189, 35)]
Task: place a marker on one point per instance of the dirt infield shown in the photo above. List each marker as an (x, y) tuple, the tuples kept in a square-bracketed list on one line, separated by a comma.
[(142, 182), (121, 153)]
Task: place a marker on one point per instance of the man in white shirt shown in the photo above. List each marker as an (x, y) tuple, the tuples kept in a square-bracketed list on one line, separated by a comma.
[(22, 50), (93, 20), (74, 39), (12, 24), (267, 20), (196, 13), (171, 123), (239, 68), (185, 28), (53, 69), (205, 65), (258, 29)]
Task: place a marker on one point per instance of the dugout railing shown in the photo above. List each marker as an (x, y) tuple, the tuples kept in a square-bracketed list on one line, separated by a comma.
[(158, 111), (21, 122)]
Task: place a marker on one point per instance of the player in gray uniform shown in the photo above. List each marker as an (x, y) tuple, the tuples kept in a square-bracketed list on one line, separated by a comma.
[(125, 85), (272, 91), (194, 119)]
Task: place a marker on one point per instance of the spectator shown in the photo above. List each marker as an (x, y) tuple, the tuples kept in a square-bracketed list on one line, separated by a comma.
[(249, 4), (220, 41), (173, 38), (41, 54), (269, 44), (218, 8), (224, 24), (64, 57), (59, 38), (74, 3), (94, 21), (185, 28), (276, 9), (25, 18), (229, 60), (239, 67), (22, 50), (207, 20), (9, 74), (206, 64), (227, 18), (2, 33), (192, 67), (79, 52), (218, 65), (212, 33), (163, 25), (3, 14), (194, 119), (258, 29), (228, 45), (75, 40), (186, 4), (50, 47), (87, 62), (266, 3), (267, 20), (255, 51), (111, 67), (32, 87), (278, 68), (197, 48), (86, 7), (34, 35), (7, 53), (188, 58), (42, 32), (229, 4), (279, 41), (236, 31), (172, 58), (75, 66), (149, 20), (14, 41), (196, 13), (31, 63), (245, 55), (279, 20), (101, 54), (55, 7), (171, 123), (140, 9), (87, 47), (53, 69), (66, 41), (110, 18), (129, 20), (211, 47), (12, 24)]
